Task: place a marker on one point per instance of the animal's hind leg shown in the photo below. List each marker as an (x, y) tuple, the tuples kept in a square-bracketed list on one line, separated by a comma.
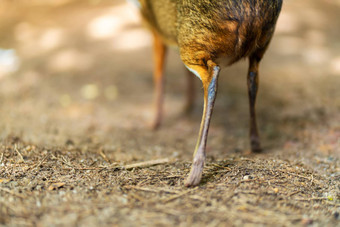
[(253, 82), (159, 50)]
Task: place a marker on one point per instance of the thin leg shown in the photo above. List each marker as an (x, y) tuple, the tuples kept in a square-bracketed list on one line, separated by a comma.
[(210, 90), (252, 81), (159, 50), (190, 92)]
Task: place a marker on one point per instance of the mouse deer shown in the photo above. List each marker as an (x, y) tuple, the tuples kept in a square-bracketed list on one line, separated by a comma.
[(210, 34)]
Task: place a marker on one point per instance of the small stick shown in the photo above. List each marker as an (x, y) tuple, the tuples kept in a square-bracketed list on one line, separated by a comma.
[(293, 193), (63, 160), (127, 167), (37, 165), (157, 190), (12, 193), (296, 175), (101, 152), (86, 168), (312, 180), (146, 164), (223, 167), (15, 148), (2, 158)]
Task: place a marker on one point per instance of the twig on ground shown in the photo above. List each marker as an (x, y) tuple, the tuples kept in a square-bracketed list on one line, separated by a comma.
[(16, 149), (297, 175), (293, 193), (87, 168), (223, 167), (63, 160), (126, 167), (101, 152), (38, 164), (311, 182), (2, 157), (154, 190), (146, 164)]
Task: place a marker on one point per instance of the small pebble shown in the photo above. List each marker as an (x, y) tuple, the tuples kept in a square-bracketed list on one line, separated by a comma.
[(247, 177)]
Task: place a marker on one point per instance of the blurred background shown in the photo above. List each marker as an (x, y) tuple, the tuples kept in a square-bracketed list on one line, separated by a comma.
[(81, 70)]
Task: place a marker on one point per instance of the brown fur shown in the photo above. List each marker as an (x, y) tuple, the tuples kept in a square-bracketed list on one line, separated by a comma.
[(209, 29)]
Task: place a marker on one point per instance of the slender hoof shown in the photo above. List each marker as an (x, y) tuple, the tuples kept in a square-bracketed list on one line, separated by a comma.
[(155, 125), (255, 145), (195, 174)]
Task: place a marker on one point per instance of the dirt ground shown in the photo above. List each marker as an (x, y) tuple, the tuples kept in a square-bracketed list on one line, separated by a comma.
[(76, 104)]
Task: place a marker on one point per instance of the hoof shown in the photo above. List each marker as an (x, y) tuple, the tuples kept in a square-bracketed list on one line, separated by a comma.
[(193, 180), (155, 125), (195, 175), (255, 145)]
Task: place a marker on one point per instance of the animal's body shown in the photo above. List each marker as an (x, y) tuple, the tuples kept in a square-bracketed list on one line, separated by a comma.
[(210, 33)]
